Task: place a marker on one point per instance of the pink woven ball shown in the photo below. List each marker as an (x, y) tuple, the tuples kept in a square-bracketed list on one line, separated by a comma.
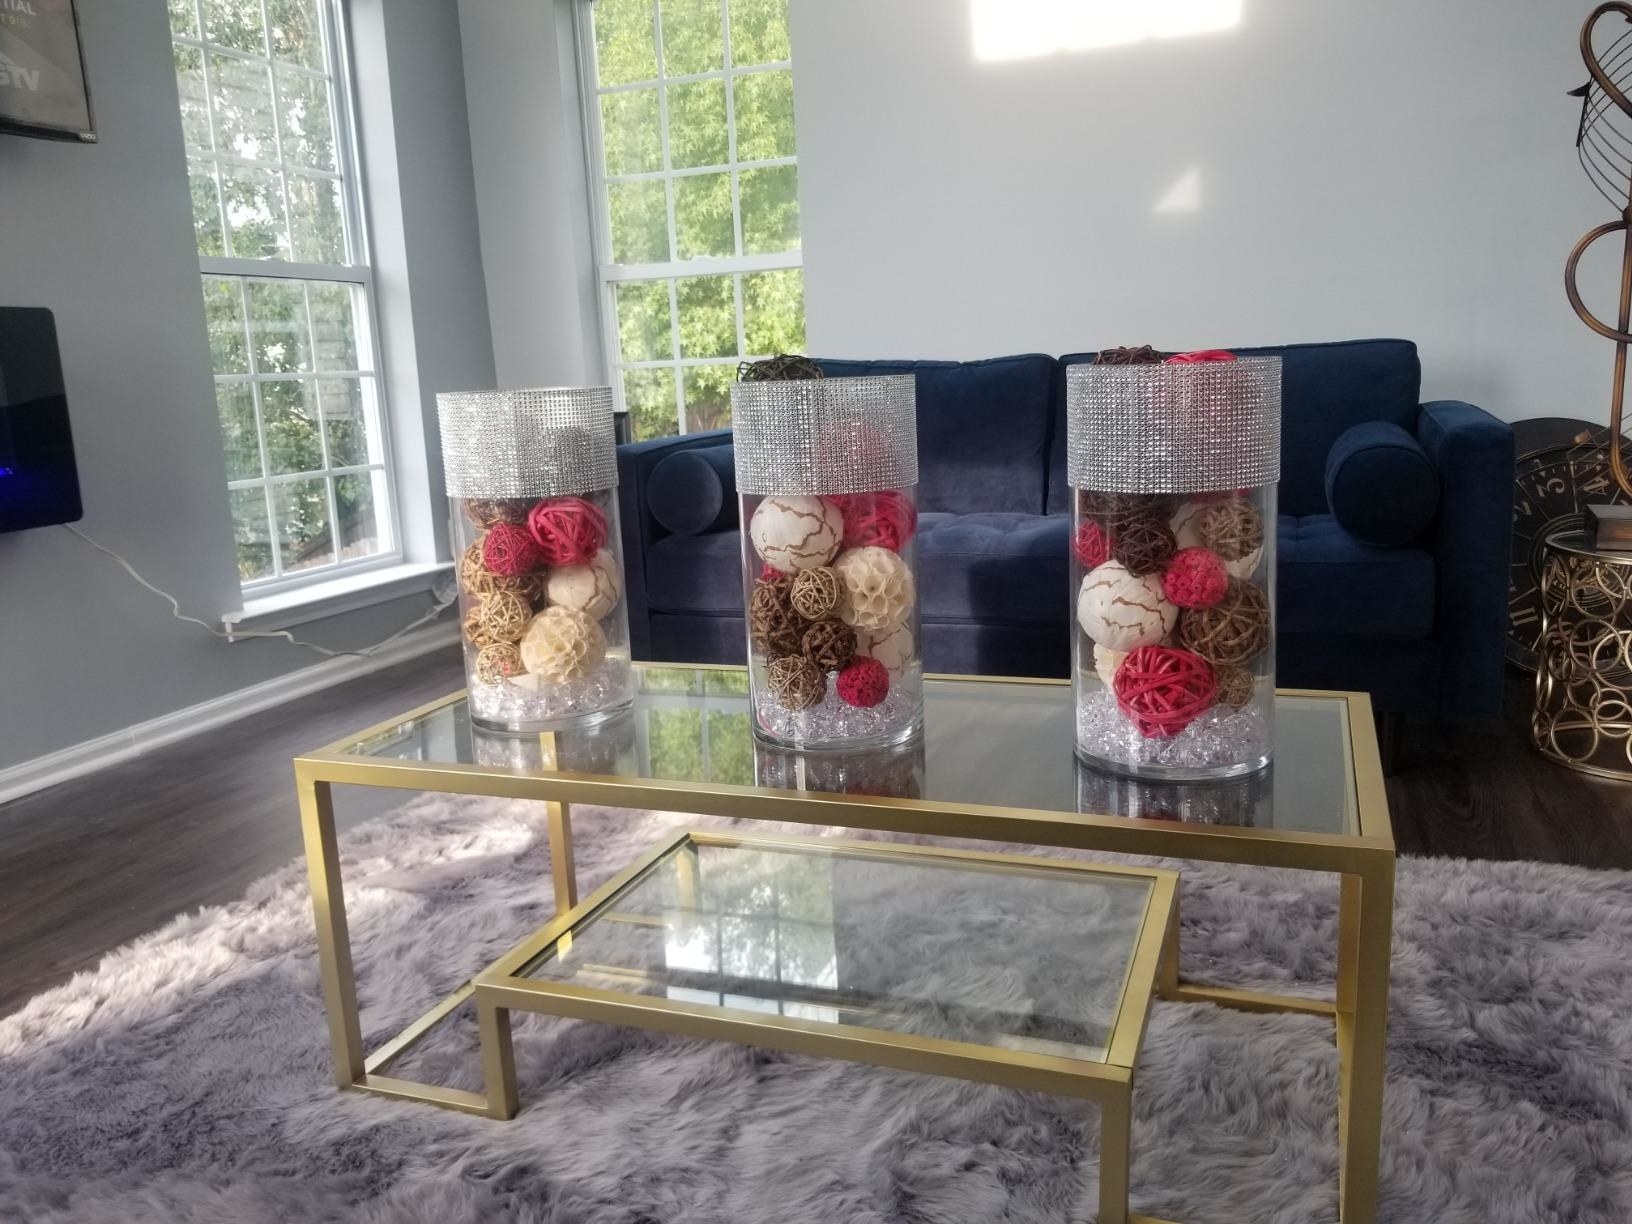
[(1162, 689), (567, 530), (1195, 578), (1201, 357), (886, 519), (509, 551), (769, 572), (1091, 544), (863, 683)]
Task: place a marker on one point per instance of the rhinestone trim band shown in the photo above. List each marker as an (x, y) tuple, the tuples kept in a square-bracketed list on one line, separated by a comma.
[(539, 442), (826, 435)]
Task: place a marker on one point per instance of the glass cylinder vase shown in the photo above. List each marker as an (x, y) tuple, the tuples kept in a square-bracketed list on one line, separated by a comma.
[(827, 470), (1173, 468), (532, 476)]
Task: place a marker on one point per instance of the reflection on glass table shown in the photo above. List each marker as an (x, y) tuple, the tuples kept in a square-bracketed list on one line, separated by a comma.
[(895, 770), (1022, 958)]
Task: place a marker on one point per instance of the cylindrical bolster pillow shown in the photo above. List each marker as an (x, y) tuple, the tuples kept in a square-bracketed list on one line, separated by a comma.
[(694, 492), (1380, 484)]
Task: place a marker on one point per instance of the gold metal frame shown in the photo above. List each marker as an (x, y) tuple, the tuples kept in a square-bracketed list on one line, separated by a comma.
[(1364, 861)]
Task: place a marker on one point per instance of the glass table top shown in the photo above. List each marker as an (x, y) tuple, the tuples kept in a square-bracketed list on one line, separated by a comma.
[(1005, 955), (995, 743)]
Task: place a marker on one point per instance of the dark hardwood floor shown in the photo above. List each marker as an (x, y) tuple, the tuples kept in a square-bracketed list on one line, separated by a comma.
[(91, 864)]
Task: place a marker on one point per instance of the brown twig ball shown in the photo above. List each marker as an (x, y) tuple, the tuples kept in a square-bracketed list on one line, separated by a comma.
[(1233, 529), (1235, 686), (796, 682), (1113, 511), (1141, 354), (502, 616), (830, 644), (816, 592), (487, 511), (498, 662), (1232, 631), (1144, 545), (476, 579), (784, 367), (772, 622), (475, 632)]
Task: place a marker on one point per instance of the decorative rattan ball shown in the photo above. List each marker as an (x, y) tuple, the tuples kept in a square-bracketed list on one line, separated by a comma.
[(772, 622), (784, 367), (498, 662), (879, 591), (561, 644), (1140, 355), (1145, 545), (1232, 529), (816, 592), (475, 632), (1235, 687), (486, 511), (830, 644), (474, 577), (507, 550), (796, 682), (502, 616), (1232, 631), (1114, 511)]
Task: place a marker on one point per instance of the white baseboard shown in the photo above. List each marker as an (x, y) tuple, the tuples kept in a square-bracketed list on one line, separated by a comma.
[(77, 759)]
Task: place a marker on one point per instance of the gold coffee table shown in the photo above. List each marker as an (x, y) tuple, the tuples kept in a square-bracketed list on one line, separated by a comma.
[(995, 763), (832, 948)]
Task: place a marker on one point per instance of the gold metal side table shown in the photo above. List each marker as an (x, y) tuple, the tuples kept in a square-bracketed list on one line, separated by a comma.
[(1583, 710)]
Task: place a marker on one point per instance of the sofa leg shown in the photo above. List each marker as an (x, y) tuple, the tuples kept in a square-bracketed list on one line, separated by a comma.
[(1390, 739)]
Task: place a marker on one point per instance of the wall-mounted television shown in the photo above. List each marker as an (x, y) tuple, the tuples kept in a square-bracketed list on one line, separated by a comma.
[(39, 481), (42, 71)]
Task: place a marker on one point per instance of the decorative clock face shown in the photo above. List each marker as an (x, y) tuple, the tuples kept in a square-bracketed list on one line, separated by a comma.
[(1552, 488)]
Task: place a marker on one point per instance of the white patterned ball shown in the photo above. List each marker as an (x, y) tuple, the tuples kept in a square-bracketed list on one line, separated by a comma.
[(795, 533), (1245, 567), (1123, 612), (1106, 662), (593, 589), (561, 644), (1185, 524), (878, 589), (894, 648)]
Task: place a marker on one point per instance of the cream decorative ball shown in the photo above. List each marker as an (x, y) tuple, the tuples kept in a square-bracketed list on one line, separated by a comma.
[(795, 533), (1122, 612), (1246, 566), (878, 589), (562, 644), (1106, 662), (1185, 525), (893, 648), (593, 588)]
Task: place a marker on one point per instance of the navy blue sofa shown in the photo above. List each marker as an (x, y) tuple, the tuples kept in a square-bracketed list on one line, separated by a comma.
[(1394, 528)]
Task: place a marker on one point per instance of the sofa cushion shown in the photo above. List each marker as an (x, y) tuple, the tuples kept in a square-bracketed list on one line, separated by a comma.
[(1330, 584), (993, 568), (983, 429), (695, 491), (700, 573), (1325, 388), (1380, 484)]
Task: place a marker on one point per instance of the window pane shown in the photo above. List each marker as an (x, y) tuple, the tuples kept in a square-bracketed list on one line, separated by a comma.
[(770, 210), (256, 225), (773, 311), (708, 316), (235, 401), (625, 45), (297, 34), (250, 531), (692, 39), (644, 332), (702, 216), (764, 102), (224, 316), (206, 207), (183, 19), (301, 510), (697, 126), (334, 326), (759, 31), (631, 132), (315, 223), (649, 396), (355, 499), (345, 422), (708, 397), (244, 123), (235, 24), (195, 107), (289, 419), (308, 126), (279, 333), (640, 222)]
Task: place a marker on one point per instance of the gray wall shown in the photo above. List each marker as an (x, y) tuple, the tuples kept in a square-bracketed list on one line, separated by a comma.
[(1318, 171), (102, 235)]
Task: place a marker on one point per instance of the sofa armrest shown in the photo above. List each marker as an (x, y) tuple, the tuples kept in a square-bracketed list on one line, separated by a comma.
[(1472, 452), (639, 529)]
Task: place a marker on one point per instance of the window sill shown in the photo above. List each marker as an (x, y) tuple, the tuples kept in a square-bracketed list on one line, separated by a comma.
[(331, 598)]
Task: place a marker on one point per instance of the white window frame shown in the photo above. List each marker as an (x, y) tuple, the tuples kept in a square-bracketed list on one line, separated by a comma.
[(609, 274), (358, 272)]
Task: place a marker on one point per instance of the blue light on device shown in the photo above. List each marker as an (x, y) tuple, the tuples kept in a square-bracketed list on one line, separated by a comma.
[(36, 445)]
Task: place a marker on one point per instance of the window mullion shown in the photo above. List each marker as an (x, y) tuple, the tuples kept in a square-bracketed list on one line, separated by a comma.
[(277, 131), (731, 139)]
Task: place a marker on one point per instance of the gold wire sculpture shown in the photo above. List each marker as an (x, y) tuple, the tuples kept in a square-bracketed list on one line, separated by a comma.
[(1603, 143)]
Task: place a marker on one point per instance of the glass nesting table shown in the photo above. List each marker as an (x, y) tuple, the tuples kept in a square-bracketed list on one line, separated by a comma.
[(994, 763)]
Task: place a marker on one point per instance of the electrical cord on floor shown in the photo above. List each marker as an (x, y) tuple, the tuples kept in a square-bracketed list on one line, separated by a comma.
[(442, 605)]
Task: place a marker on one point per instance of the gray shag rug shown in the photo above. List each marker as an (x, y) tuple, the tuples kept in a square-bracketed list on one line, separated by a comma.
[(186, 1080)]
